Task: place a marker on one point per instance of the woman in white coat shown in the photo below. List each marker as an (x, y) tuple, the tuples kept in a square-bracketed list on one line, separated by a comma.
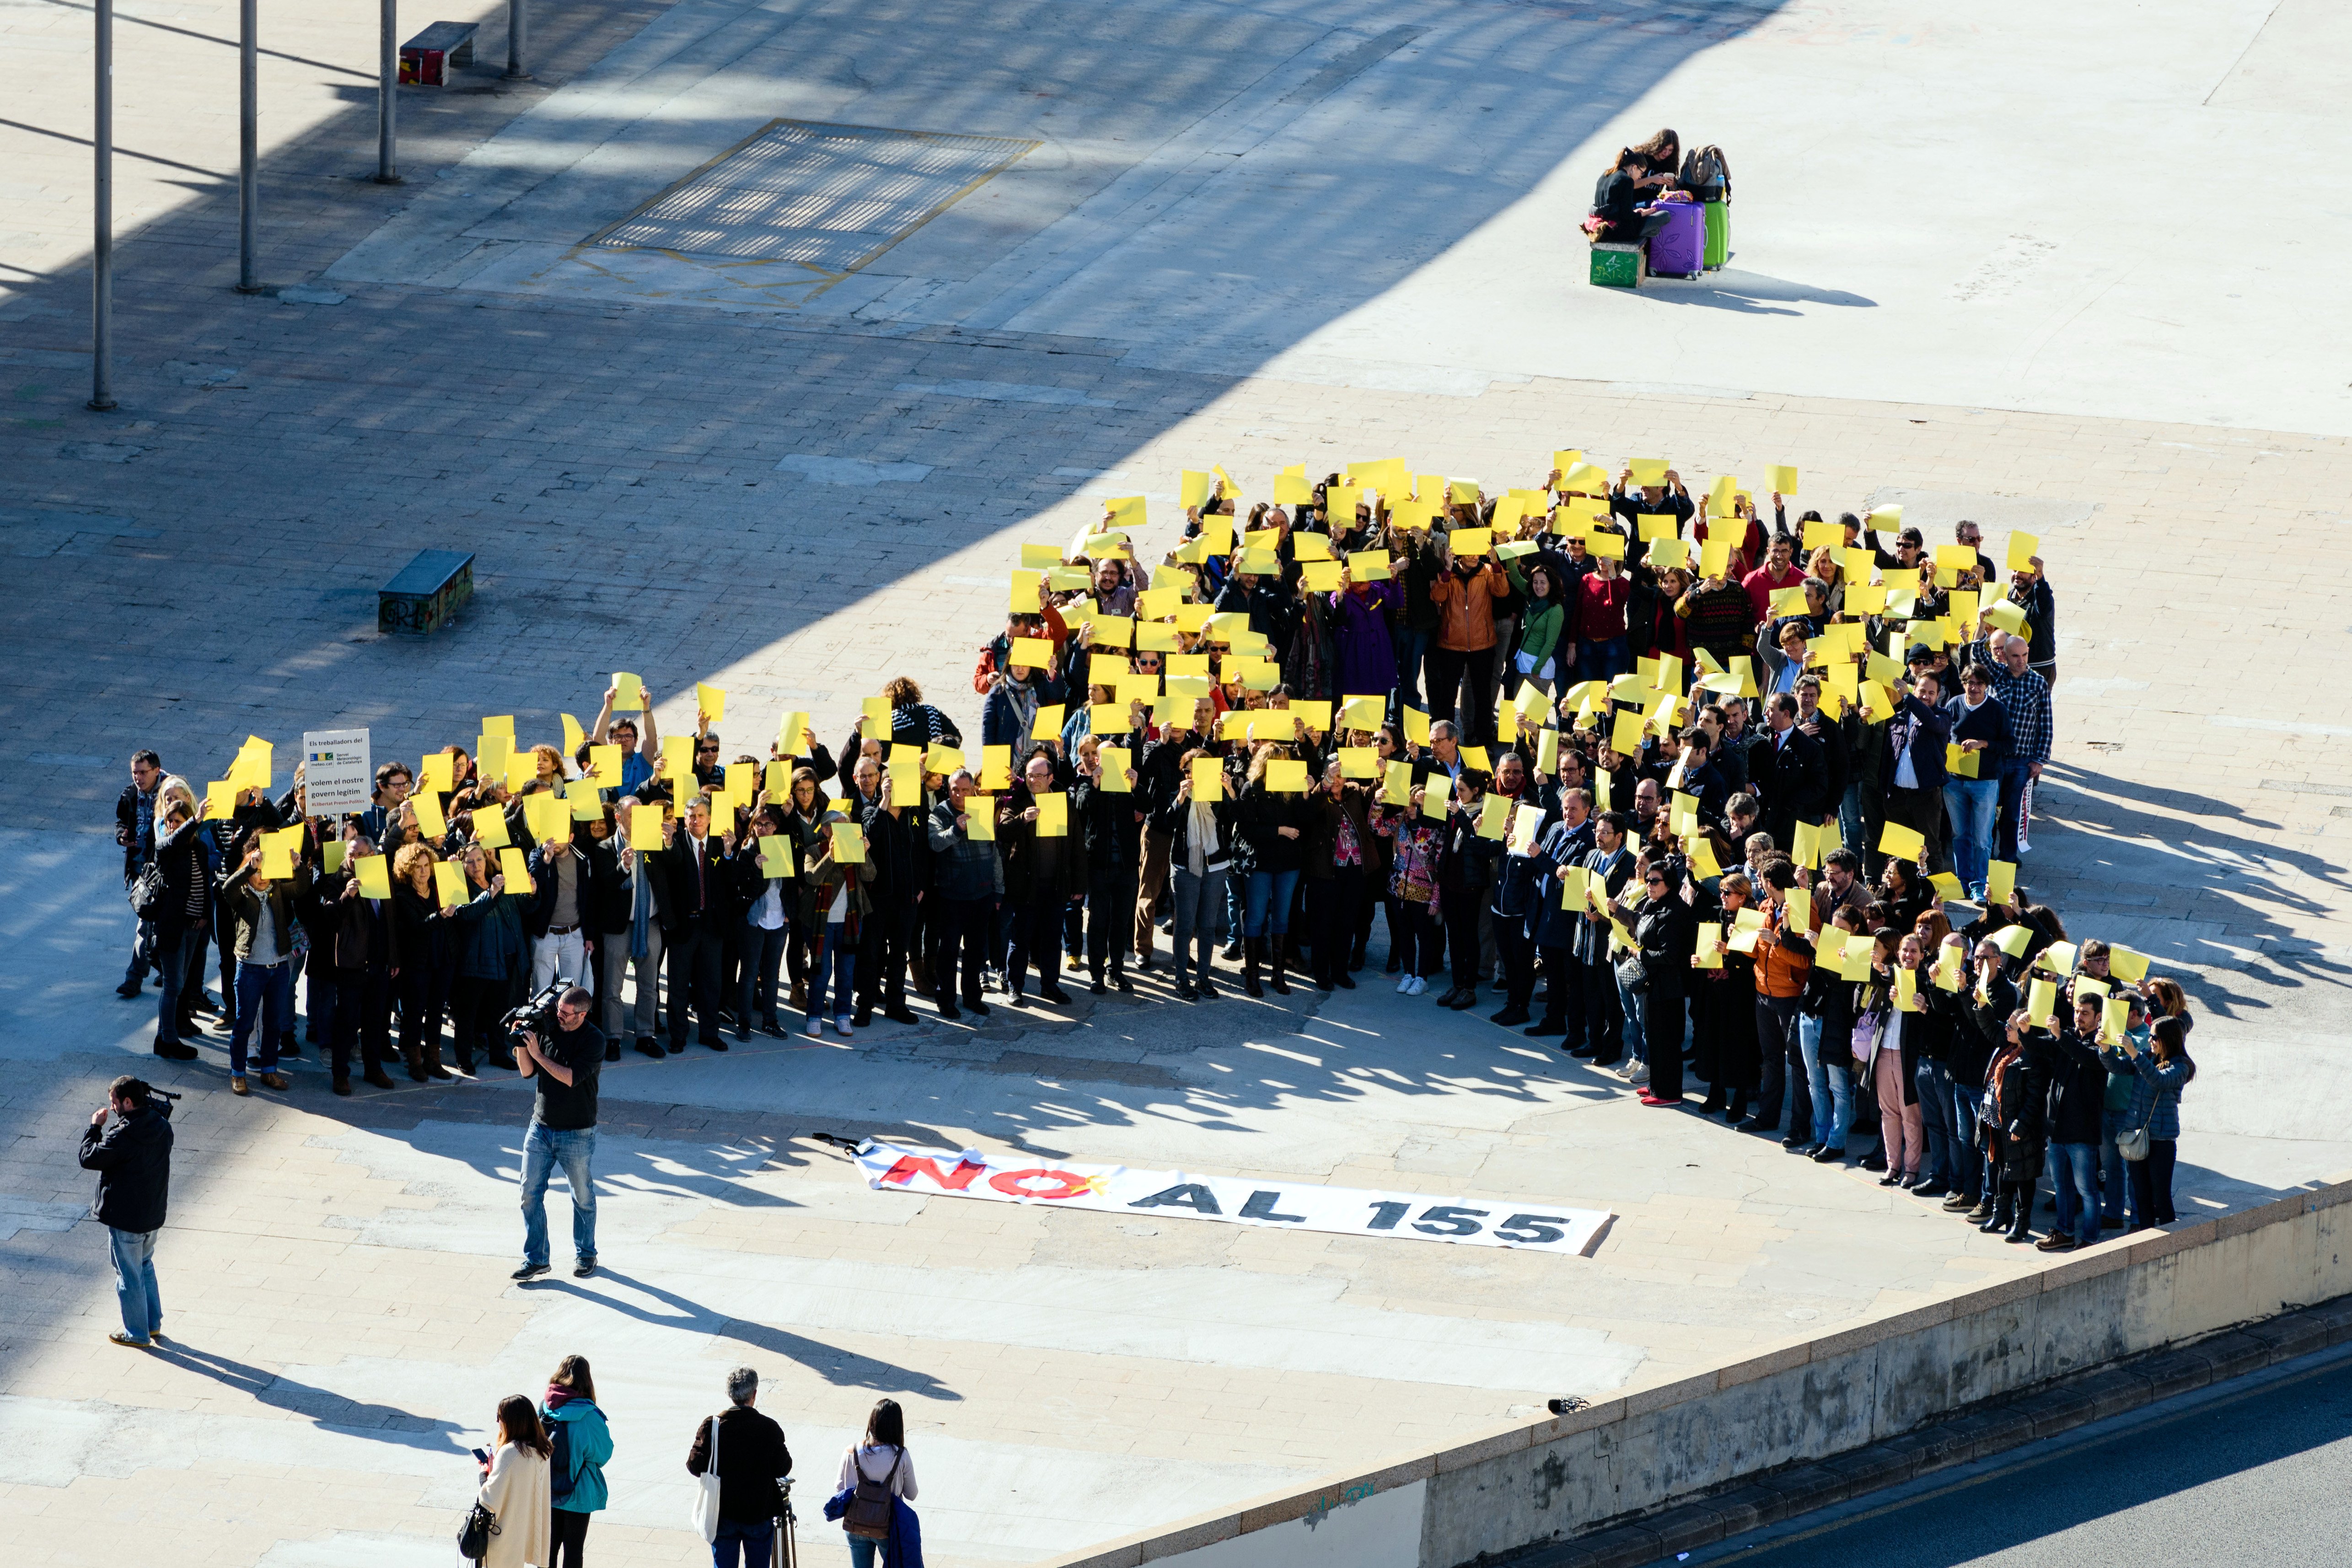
[(514, 1489)]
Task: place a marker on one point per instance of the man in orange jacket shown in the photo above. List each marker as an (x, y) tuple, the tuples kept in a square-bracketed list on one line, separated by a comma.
[(1464, 594)]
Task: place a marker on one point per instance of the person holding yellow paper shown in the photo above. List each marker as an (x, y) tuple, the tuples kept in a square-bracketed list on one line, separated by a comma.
[(1045, 874), (366, 952), (264, 911), (1198, 822), (1269, 853), (833, 904), (2078, 1098), (1977, 725), (1464, 592), (2156, 1061), (1911, 772), (967, 878), (1104, 809), (639, 749)]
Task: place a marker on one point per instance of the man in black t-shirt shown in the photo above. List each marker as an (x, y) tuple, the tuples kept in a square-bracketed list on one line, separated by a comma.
[(562, 1130)]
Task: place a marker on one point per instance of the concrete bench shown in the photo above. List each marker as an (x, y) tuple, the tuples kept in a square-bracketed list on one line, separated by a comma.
[(427, 59), (425, 595)]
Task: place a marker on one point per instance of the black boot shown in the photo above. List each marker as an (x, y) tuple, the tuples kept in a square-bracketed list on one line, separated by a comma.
[(1999, 1220), (2023, 1205), (1280, 952), (1251, 947)]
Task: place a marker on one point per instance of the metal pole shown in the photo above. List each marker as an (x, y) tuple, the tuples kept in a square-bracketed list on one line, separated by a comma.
[(387, 92), (517, 36), (101, 271), (248, 114)]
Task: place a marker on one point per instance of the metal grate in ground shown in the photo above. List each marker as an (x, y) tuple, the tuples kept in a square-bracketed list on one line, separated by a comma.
[(830, 197)]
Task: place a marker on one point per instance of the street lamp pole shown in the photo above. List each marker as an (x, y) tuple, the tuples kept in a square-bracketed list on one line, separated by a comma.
[(101, 271)]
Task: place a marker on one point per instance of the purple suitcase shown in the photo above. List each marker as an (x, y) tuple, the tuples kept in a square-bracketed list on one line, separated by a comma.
[(1679, 249)]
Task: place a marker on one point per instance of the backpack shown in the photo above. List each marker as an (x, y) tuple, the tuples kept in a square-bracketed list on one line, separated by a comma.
[(1706, 174), (560, 1476), (871, 1504)]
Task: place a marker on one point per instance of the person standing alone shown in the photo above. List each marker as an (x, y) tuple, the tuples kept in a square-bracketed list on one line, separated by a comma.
[(133, 1162), (562, 1130)]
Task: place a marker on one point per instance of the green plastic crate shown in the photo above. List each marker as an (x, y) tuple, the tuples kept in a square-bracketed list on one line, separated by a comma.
[(1719, 234), (1617, 267)]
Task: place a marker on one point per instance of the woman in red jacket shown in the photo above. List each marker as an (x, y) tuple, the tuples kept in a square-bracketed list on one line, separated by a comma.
[(1600, 600)]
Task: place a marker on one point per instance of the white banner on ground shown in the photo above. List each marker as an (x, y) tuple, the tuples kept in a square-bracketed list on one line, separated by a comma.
[(1280, 1206), (338, 774)]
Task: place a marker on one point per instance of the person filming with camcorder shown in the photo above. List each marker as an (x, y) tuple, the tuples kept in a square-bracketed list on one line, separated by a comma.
[(555, 1043)]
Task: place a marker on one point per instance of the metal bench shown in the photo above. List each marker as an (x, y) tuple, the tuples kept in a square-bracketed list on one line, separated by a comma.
[(425, 595), (427, 59)]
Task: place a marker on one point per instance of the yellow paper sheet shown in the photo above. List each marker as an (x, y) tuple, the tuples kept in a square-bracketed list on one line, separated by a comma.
[(710, 701), (1115, 765), (374, 873), (490, 826), (907, 785), (449, 886), (1047, 725), (1285, 776), (2001, 883), (2023, 549), (2012, 941), (515, 868), (848, 843), (1053, 814), (1900, 842), (628, 693), (430, 822), (1782, 478), (645, 828), (2041, 1001)]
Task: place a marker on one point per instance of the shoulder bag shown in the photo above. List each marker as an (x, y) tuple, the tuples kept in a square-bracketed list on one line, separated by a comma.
[(2132, 1141), (474, 1540), (706, 1497)]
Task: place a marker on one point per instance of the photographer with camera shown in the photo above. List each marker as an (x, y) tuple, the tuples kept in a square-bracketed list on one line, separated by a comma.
[(133, 1162), (555, 1043)]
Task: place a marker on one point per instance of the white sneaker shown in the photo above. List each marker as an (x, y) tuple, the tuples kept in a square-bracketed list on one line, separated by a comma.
[(1640, 1074), (1419, 986), (1404, 986), (816, 1028), (841, 1026)]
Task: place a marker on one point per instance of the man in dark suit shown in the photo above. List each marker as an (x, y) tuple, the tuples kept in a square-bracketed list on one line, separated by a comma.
[(1787, 768), (692, 925), (1911, 769)]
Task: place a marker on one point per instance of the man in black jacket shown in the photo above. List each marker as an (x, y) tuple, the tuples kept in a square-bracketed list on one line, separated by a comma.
[(887, 934), (751, 1456), (133, 1162), (134, 830), (1911, 769), (1785, 766), (692, 925)]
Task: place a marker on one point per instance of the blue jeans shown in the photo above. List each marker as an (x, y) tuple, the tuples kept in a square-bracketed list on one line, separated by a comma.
[(1635, 1005), (840, 958), (264, 994), (1603, 660), (2078, 1189), (134, 1281), (862, 1551), (543, 1149), (763, 958), (1829, 1082), (1266, 902), (1973, 804), (2111, 1169), (1933, 1085), (1200, 905), (143, 954), (1967, 1103), (757, 1542)]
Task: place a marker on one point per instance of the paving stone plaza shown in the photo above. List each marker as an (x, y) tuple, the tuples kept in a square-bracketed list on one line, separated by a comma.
[(1063, 253)]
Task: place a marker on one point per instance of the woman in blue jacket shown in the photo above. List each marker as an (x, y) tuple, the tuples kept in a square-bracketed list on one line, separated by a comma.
[(583, 1444), (2160, 1073)]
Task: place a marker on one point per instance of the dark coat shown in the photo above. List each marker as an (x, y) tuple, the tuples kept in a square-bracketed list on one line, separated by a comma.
[(1792, 779), (692, 899), (1037, 870), (132, 1157), (1259, 845), (1929, 735), (751, 1455), (489, 936)]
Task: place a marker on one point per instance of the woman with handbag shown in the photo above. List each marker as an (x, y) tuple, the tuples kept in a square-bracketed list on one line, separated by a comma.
[(2152, 1125), (576, 1487), (513, 1493), (877, 1474)]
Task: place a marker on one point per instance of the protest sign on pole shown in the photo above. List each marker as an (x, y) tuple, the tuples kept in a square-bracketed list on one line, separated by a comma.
[(338, 774)]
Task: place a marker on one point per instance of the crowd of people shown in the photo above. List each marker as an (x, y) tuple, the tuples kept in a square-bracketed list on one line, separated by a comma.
[(1698, 787)]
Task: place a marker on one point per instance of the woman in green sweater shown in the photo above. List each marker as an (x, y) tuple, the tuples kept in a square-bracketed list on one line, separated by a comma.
[(1543, 625)]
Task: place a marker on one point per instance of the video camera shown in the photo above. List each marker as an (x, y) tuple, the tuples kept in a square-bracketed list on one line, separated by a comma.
[(537, 1016)]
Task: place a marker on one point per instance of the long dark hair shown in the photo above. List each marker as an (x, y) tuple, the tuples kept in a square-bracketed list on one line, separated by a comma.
[(2170, 1042), (520, 1421), (887, 1427), (1661, 151), (572, 1373)]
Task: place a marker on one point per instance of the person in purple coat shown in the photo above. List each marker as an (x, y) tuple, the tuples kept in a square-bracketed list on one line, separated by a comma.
[(1361, 614)]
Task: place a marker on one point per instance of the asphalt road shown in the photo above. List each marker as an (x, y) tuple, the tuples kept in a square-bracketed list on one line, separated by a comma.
[(2256, 1478)]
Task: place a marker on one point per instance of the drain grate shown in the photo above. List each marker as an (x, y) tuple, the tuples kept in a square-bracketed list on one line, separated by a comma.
[(828, 197)]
